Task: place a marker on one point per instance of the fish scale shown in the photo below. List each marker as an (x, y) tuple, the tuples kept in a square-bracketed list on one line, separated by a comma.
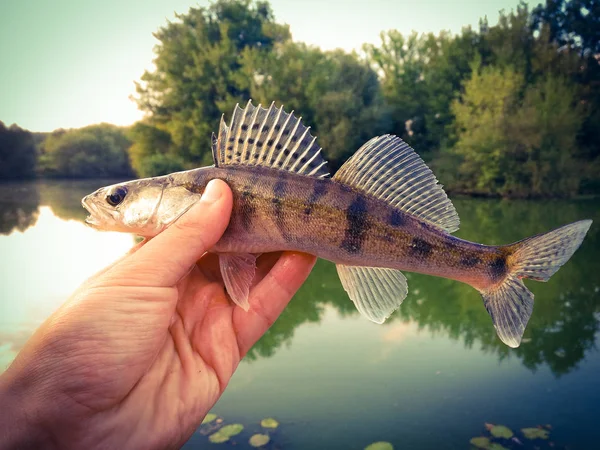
[(382, 213)]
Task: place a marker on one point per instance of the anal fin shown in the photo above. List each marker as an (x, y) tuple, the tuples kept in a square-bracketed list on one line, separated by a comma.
[(377, 292), (237, 270)]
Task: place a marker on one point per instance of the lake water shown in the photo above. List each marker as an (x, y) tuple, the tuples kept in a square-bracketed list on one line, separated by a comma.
[(431, 377)]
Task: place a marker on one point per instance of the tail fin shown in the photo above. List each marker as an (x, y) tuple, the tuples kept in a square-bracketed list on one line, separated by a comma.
[(510, 303)]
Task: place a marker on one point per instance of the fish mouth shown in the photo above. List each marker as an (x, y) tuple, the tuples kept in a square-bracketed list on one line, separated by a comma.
[(91, 208)]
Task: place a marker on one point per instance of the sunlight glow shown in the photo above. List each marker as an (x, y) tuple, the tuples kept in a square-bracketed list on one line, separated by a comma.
[(48, 262)]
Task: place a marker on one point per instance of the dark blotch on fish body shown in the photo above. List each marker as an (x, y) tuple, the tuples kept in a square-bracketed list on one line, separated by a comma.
[(498, 268), (397, 219), (469, 261), (319, 190), (279, 189), (357, 225), (247, 208), (421, 248)]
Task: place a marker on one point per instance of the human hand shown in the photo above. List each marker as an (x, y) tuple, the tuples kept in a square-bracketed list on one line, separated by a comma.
[(142, 350)]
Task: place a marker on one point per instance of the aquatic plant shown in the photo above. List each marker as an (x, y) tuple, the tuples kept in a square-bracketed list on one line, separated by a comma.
[(380, 446), (232, 430), (259, 440), (500, 431), (269, 423), (535, 433), (218, 438), (481, 442), (209, 418), (503, 438)]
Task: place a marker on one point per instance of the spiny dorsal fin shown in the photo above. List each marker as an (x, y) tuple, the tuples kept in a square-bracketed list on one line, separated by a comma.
[(268, 137), (387, 168)]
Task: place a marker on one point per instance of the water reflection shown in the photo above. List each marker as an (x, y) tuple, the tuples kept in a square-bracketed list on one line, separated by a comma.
[(561, 331), (18, 206)]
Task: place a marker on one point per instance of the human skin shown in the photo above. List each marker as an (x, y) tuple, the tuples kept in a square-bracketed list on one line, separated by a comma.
[(143, 349)]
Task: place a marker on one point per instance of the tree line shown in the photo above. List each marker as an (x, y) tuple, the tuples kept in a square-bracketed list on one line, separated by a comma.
[(510, 109)]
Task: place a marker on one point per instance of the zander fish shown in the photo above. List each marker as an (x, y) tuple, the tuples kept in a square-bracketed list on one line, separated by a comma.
[(381, 213)]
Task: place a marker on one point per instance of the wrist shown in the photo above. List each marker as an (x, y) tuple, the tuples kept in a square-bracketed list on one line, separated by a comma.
[(20, 414)]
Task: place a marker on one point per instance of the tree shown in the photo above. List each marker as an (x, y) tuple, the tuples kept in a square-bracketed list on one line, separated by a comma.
[(572, 28), (480, 118), (18, 153), (518, 144), (93, 151), (198, 71), (421, 75), (401, 61), (152, 152), (546, 128), (336, 94)]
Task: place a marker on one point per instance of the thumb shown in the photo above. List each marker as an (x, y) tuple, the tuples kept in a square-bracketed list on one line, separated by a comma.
[(168, 256)]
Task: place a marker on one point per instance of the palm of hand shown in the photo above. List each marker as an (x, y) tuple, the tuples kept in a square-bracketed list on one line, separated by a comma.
[(168, 366)]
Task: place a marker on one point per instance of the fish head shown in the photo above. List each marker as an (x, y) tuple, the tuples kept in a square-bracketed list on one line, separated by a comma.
[(144, 207)]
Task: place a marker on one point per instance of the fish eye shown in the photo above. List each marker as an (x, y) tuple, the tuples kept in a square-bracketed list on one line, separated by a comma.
[(116, 196)]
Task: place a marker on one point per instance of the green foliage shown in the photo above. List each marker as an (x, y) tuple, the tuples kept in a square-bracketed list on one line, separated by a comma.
[(90, 152), (516, 139), (480, 119), (197, 75), (336, 94), (420, 77), (152, 152), (212, 58), (17, 153)]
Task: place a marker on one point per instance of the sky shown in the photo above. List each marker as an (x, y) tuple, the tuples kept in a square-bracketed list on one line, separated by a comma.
[(67, 64)]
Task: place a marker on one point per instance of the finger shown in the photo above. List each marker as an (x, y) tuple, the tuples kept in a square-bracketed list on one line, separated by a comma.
[(166, 258), (270, 296)]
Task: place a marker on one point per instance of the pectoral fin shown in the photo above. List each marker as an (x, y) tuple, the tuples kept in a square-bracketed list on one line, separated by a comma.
[(376, 292), (238, 271)]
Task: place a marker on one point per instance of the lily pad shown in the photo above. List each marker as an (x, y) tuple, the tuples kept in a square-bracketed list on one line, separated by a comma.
[(218, 438), (381, 445), (500, 431), (480, 442), (535, 433), (269, 423), (496, 446), (258, 440), (209, 418), (231, 430)]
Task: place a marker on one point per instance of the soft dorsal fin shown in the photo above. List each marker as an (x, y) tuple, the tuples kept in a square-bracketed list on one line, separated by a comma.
[(387, 168), (268, 137)]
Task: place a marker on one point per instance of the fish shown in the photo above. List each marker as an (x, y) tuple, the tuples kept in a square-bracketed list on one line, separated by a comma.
[(383, 212)]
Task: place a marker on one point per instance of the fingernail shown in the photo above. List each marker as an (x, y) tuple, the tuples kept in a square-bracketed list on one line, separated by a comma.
[(212, 193)]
